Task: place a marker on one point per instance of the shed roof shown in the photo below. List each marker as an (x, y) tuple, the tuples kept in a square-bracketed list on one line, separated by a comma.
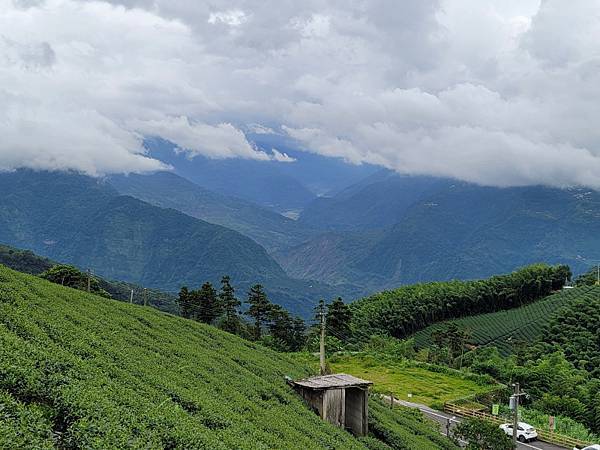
[(340, 380)]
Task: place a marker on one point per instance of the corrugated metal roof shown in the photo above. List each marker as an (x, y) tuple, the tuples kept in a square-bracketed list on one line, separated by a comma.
[(332, 381)]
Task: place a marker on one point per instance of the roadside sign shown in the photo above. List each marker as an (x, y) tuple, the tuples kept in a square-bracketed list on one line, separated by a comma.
[(409, 395), (495, 409)]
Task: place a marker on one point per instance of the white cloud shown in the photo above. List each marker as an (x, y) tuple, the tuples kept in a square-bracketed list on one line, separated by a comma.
[(232, 17), (257, 128), (281, 156), (218, 141), (501, 93), (82, 83)]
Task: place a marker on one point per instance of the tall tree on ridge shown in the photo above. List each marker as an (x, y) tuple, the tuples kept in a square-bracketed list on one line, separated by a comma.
[(185, 303), (338, 319), (208, 304), (230, 306), (259, 309)]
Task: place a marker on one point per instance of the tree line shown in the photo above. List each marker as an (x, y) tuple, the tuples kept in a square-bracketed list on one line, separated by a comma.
[(257, 318), (409, 309), (71, 276)]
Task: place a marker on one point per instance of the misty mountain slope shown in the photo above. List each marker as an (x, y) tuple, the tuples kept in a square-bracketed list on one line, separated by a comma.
[(82, 221), (168, 190), (471, 231), (378, 201), (462, 231), (332, 257), (320, 174), (261, 182)]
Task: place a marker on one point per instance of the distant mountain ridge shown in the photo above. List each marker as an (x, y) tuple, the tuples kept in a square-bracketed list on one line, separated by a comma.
[(378, 201), (452, 230), (280, 186), (85, 222), (168, 190), (257, 181)]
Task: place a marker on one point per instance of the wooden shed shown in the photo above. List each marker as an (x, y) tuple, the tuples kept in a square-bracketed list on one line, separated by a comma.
[(340, 399)]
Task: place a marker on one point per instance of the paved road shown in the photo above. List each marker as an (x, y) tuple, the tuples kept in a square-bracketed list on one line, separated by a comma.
[(442, 419)]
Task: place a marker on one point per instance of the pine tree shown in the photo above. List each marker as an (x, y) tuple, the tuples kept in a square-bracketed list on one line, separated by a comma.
[(185, 303), (338, 319), (229, 306), (208, 304), (288, 333), (259, 308), (298, 335), (280, 324)]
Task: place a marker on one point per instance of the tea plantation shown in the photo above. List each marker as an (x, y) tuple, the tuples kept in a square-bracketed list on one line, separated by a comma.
[(80, 371), (504, 329)]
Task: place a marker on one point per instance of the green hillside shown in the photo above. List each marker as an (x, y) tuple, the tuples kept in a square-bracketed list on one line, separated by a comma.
[(453, 231), (504, 329), (167, 190), (80, 371), (376, 202), (408, 309), (28, 262), (305, 261), (574, 331), (24, 260)]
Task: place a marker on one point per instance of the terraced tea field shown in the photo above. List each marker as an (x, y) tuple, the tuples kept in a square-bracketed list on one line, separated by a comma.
[(81, 371), (503, 329)]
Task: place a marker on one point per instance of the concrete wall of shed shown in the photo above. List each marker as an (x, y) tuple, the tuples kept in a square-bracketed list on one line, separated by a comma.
[(357, 414)]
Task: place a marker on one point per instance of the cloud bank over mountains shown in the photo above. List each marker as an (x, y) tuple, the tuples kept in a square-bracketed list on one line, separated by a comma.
[(497, 93)]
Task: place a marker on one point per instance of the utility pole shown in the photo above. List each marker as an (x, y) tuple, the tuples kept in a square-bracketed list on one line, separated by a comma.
[(145, 296), (514, 405), (131, 297), (322, 343), (516, 412), (598, 275), (89, 280)]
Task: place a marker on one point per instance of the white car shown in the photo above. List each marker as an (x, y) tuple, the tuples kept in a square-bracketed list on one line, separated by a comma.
[(525, 432), (589, 447)]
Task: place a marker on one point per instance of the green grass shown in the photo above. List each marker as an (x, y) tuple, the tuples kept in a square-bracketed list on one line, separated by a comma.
[(80, 371), (426, 385), (504, 329)]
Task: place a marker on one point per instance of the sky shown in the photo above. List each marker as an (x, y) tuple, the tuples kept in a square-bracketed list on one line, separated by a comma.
[(501, 93)]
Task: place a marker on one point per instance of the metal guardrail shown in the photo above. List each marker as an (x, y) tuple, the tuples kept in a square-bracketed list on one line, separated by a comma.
[(546, 436)]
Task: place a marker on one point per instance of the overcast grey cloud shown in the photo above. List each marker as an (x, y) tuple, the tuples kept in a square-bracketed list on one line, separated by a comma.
[(499, 93)]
